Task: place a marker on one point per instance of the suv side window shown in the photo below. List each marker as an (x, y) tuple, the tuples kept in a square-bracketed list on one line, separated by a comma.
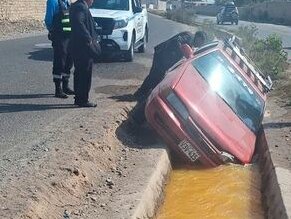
[(135, 5), (138, 3)]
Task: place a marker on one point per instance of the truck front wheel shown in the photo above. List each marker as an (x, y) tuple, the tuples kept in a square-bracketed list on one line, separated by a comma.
[(129, 54), (142, 48)]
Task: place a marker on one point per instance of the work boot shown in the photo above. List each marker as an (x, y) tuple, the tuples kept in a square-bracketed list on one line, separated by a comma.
[(66, 89), (59, 92)]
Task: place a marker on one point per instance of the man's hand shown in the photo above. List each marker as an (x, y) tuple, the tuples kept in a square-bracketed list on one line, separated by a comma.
[(187, 50), (95, 49), (49, 36)]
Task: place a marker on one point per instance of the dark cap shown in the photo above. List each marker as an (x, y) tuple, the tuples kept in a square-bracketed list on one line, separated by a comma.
[(200, 38)]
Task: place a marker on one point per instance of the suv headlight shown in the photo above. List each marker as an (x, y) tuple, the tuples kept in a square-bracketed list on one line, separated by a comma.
[(120, 24)]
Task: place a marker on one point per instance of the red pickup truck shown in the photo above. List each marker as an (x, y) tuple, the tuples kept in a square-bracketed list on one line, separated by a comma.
[(210, 105)]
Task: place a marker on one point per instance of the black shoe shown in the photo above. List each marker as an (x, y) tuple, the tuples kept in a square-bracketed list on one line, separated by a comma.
[(59, 92), (61, 95), (68, 91), (87, 104)]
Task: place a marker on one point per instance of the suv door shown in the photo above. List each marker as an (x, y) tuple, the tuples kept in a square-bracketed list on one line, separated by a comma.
[(138, 19)]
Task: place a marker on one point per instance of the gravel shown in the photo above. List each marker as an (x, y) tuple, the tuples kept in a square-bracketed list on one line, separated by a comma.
[(18, 29)]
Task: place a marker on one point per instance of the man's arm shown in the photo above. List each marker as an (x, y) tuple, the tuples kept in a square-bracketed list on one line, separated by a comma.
[(79, 25), (51, 10)]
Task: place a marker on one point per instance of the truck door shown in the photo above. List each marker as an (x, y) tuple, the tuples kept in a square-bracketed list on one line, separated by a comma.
[(138, 18)]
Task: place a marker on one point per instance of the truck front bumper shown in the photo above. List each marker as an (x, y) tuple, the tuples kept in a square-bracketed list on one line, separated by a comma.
[(117, 41)]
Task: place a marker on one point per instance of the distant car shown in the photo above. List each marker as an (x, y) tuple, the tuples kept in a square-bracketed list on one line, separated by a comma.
[(228, 13), (209, 107)]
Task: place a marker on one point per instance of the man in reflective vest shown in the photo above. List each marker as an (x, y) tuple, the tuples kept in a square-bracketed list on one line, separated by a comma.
[(58, 24)]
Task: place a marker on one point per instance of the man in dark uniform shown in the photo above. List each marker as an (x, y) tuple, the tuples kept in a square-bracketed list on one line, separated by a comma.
[(58, 25), (165, 56), (85, 49)]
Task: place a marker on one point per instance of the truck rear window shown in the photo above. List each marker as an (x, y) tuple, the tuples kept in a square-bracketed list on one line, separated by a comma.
[(111, 4), (228, 83)]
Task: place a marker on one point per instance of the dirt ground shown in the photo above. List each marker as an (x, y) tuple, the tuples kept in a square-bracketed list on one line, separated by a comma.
[(76, 171), (10, 29)]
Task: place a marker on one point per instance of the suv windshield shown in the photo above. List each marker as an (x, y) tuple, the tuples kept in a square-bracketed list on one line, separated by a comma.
[(228, 83), (111, 4)]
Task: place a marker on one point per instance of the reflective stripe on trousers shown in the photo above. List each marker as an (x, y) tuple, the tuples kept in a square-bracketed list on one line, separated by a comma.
[(57, 76)]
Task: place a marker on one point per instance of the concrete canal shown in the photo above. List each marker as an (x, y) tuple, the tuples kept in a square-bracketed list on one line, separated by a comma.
[(228, 191)]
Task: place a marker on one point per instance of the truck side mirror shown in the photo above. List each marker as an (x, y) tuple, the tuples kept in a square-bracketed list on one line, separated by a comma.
[(187, 51)]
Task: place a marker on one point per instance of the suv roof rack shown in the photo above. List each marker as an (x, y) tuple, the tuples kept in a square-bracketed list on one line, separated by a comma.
[(206, 47), (233, 44)]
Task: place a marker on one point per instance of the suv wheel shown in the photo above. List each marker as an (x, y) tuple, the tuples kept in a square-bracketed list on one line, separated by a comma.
[(129, 54), (143, 47)]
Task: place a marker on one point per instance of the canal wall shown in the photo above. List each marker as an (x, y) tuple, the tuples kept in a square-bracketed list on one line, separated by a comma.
[(275, 189)]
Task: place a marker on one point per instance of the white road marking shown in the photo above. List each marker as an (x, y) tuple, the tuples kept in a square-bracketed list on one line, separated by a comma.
[(43, 45)]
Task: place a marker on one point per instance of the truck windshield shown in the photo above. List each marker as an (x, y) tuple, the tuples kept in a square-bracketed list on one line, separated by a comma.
[(111, 4), (228, 83)]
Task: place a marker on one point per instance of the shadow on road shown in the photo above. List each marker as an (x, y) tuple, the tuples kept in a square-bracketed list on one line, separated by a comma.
[(137, 137), (11, 108), (117, 91), (136, 133), (44, 54), (124, 98), (225, 24), (276, 125), (24, 96)]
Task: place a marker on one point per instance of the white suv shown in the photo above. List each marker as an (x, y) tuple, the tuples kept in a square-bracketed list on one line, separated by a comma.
[(122, 25)]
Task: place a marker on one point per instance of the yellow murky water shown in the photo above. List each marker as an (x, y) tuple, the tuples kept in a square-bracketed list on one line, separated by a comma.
[(226, 192)]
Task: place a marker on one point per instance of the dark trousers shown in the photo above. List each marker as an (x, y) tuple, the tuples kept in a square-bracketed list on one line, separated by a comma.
[(162, 61), (62, 62), (82, 77)]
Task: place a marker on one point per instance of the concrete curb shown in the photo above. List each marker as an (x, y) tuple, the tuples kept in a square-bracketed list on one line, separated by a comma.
[(276, 188), (152, 195)]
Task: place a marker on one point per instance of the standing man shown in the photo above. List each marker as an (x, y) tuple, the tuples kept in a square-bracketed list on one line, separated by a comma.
[(58, 24), (85, 48)]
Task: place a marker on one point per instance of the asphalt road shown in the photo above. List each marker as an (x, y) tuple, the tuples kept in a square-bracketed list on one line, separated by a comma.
[(263, 30), (27, 104)]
